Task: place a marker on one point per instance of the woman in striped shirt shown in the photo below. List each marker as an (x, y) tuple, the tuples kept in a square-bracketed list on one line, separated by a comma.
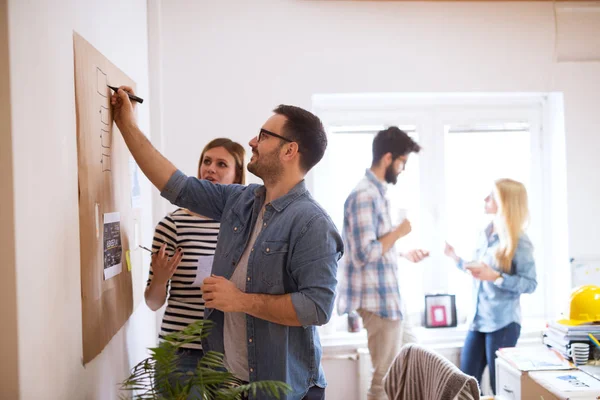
[(180, 238)]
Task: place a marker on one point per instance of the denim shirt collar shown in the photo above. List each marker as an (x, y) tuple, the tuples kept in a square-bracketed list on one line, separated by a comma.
[(382, 187), (280, 203), (491, 236)]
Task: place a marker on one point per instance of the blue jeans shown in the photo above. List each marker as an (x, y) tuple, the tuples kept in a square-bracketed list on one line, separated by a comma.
[(480, 349)]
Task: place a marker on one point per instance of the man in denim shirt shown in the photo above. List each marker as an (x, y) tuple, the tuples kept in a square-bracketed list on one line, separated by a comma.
[(274, 271)]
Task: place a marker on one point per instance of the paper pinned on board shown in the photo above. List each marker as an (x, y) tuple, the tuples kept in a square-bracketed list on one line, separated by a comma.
[(113, 250), (585, 271), (203, 269)]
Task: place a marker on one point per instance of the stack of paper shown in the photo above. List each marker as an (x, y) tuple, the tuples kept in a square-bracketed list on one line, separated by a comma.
[(560, 337), (533, 358)]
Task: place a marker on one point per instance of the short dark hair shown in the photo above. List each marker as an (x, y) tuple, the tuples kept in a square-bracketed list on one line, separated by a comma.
[(306, 129), (393, 140), (233, 148)]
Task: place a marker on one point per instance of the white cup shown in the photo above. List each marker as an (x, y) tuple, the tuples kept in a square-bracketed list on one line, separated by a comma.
[(579, 352)]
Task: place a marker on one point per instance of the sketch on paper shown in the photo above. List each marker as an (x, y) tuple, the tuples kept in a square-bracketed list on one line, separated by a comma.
[(101, 82), (104, 115), (105, 135), (105, 162), (105, 138)]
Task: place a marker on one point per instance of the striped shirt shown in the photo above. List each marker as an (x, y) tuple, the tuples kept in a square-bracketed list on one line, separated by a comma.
[(197, 236), (368, 277)]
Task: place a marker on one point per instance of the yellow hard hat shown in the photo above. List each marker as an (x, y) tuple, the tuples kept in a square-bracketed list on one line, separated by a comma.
[(584, 307)]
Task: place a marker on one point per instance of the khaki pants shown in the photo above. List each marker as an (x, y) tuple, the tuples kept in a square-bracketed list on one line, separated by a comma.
[(385, 338)]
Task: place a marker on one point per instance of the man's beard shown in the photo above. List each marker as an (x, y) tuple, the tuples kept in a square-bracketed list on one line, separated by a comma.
[(390, 175), (266, 166)]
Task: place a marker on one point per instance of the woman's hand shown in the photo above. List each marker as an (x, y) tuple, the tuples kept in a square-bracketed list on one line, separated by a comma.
[(164, 267), (482, 271), (450, 252)]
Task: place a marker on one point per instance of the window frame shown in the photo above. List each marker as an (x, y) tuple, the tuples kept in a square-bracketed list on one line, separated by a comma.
[(430, 114)]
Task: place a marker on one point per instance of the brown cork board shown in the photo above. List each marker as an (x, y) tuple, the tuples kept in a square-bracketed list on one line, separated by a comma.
[(104, 188)]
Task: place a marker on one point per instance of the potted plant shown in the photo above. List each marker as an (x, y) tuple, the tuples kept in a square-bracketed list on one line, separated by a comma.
[(157, 377)]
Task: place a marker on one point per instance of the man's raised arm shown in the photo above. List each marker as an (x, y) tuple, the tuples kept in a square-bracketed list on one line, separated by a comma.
[(153, 164)]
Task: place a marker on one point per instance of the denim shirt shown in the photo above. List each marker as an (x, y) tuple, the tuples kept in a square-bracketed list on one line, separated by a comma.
[(498, 304), (296, 252)]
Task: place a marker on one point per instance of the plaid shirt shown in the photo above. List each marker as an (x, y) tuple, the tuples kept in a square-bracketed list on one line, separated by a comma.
[(368, 278)]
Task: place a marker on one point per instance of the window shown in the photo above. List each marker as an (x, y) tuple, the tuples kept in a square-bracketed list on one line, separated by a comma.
[(354, 144), (475, 156), (349, 154), (467, 144)]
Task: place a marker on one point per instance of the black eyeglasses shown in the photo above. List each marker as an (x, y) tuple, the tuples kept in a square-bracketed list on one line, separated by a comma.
[(266, 132)]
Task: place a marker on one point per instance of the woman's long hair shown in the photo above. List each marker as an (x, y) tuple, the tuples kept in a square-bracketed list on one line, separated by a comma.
[(511, 219), (233, 148)]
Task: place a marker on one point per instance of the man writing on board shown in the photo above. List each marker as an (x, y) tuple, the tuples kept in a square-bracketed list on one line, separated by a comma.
[(274, 271)]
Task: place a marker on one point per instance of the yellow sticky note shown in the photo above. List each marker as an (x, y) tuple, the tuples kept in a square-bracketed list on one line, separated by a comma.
[(128, 260)]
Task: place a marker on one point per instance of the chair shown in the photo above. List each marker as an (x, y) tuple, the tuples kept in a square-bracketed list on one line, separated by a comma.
[(419, 373)]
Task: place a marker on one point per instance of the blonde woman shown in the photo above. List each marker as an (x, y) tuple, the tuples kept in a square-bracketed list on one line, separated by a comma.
[(503, 269)]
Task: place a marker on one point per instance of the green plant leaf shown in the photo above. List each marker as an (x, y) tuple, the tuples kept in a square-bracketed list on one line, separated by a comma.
[(157, 376)]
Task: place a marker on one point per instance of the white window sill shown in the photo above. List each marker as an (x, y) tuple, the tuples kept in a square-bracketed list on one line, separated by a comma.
[(343, 341)]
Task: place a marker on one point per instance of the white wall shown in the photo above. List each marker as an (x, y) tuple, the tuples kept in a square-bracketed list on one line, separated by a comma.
[(580, 83), (45, 192), (226, 64)]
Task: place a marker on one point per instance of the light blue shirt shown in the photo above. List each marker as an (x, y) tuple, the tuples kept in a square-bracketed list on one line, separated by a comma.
[(498, 303)]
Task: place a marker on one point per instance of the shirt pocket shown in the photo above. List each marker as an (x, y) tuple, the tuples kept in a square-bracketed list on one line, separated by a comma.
[(231, 234), (274, 255)]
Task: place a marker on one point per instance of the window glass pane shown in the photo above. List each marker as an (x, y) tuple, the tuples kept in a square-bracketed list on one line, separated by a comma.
[(474, 159), (406, 195), (349, 154)]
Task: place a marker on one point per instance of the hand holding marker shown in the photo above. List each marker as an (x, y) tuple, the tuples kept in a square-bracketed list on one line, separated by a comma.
[(132, 97)]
